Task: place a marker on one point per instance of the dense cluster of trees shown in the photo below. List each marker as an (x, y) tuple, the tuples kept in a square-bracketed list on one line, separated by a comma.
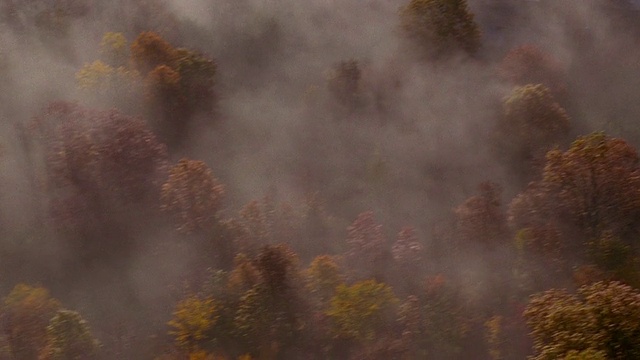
[(139, 244)]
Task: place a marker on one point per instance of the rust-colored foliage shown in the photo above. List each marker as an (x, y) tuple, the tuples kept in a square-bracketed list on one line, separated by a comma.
[(177, 82), (183, 77), (533, 207), (102, 159), (132, 155), (440, 26), (588, 194), (193, 196), (480, 218), (596, 182), (603, 316), (163, 86), (150, 50)]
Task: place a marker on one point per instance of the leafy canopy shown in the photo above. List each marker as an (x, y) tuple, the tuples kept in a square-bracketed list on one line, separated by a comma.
[(441, 26), (358, 310), (602, 319)]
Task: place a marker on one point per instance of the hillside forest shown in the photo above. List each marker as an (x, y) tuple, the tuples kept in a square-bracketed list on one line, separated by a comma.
[(321, 179)]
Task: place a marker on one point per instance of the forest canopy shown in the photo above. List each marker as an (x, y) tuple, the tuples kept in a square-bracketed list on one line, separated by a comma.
[(238, 180)]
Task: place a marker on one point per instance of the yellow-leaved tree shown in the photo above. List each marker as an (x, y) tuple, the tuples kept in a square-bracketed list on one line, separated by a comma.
[(360, 310), (193, 320)]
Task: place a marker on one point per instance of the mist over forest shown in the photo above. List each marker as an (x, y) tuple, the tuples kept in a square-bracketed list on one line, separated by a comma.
[(323, 179)]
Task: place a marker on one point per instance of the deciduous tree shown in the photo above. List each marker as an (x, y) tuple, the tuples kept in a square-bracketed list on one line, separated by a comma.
[(434, 322), (105, 85), (368, 250), (480, 219), (615, 258), (408, 254), (603, 318), (269, 315), (193, 322), (531, 124), (441, 26), (407, 249), (149, 50), (69, 338), (587, 200), (360, 311), (100, 152), (26, 313), (114, 48), (197, 79), (101, 169), (596, 182), (193, 196), (322, 278)]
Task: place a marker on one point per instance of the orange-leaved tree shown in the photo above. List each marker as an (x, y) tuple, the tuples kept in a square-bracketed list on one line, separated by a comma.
[(193, 196)]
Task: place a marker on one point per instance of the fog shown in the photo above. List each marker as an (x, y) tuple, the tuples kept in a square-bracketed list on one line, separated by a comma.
[(416, 147)]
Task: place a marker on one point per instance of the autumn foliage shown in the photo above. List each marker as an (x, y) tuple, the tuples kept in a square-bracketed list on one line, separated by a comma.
[(602, 318), (93, 153), (441, 26), (480, 219), (192, 195), (26, 311), (319, 180), (150, 50)]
